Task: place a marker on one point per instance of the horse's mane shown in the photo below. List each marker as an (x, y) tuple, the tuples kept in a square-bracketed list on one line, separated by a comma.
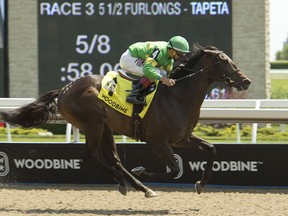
[(196, 53), (191, 59)]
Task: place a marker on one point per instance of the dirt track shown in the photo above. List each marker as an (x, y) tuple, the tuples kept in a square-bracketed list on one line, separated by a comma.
[(105, 200)]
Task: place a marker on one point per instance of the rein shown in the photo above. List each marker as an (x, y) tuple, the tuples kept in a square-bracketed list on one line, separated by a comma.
[(196, 72)]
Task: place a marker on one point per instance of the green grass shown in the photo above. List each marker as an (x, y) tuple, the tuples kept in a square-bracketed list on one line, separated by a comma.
[(225, 135), (215, 140), (279, 88), (49, 139)]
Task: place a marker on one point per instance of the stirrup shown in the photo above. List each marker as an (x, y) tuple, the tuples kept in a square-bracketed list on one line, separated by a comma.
[(134, 100)]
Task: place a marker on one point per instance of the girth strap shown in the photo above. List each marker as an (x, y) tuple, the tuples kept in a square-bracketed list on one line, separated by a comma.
[(136, 123)]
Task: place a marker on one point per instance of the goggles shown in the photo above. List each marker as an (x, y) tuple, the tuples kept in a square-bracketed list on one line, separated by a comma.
[(180, 54)]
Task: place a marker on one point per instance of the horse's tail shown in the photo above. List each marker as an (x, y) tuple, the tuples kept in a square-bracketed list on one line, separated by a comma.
[(36, 113)]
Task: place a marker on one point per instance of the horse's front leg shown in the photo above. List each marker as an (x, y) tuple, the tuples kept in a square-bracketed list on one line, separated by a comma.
[(194, 142), (165, 153), (110, 152)]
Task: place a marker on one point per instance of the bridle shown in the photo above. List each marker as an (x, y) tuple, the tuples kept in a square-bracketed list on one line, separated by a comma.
[(193, 73), (226, 79)]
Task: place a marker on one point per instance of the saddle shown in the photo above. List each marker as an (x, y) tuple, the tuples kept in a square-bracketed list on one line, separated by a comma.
[(134, 79), (115, 88), (136, 120), (128, 76)]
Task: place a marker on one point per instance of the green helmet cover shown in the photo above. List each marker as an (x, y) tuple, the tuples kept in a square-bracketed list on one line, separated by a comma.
[(179, 43)]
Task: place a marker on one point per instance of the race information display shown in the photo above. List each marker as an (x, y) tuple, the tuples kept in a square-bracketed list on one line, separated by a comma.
[(77, 38)]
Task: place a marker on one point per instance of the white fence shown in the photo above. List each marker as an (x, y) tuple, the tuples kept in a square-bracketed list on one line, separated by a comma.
[(245, 111), (212, 111)]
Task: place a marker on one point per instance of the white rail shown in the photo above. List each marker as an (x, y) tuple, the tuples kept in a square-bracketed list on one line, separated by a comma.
[(212, 111), (245, 111), (14, 103)]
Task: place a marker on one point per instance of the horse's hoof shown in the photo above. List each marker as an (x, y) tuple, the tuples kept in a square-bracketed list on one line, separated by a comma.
[(138, 170), (150, 194), (198, 187), (122, 189)]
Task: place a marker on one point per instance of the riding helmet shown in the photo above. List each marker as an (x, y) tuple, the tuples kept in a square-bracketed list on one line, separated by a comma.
[(179, 43)]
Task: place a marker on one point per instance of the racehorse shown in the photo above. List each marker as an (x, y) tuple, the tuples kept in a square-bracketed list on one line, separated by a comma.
[(168, 123)]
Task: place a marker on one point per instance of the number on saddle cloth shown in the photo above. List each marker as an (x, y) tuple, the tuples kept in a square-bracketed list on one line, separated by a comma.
[(112, 84)]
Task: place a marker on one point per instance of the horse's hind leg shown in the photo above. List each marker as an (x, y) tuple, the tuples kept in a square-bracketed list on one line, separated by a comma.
[(110, 152), (93, 137)]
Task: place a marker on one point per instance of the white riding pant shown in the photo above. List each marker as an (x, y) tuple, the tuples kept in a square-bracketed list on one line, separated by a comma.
[(129, 63)]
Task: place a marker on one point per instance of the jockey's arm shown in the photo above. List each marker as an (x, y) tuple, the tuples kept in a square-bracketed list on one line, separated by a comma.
[(150, 71)]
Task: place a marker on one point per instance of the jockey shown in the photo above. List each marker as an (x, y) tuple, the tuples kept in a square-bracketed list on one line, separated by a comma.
[(152, 61)]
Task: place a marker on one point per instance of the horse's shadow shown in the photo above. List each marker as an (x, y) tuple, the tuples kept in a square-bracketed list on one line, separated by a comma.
[(86, 211)]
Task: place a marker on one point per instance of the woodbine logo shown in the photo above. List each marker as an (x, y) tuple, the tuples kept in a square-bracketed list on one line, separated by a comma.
[(57, 164), (4, 164), (218, 166), (231, 166)]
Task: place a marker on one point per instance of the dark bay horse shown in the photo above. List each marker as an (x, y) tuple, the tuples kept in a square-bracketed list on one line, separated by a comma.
[(169, 122)]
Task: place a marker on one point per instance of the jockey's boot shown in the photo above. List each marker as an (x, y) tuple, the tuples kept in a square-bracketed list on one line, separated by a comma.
[(136, 96)]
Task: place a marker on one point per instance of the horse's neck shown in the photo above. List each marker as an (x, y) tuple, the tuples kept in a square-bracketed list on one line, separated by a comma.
[(187, 99), (195, 89), (199, 83)]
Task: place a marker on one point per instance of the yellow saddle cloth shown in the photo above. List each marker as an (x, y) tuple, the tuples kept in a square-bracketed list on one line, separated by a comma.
[(114, 94)]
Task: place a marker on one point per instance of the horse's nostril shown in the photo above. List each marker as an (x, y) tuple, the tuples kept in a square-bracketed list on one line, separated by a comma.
[(246, 82)]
